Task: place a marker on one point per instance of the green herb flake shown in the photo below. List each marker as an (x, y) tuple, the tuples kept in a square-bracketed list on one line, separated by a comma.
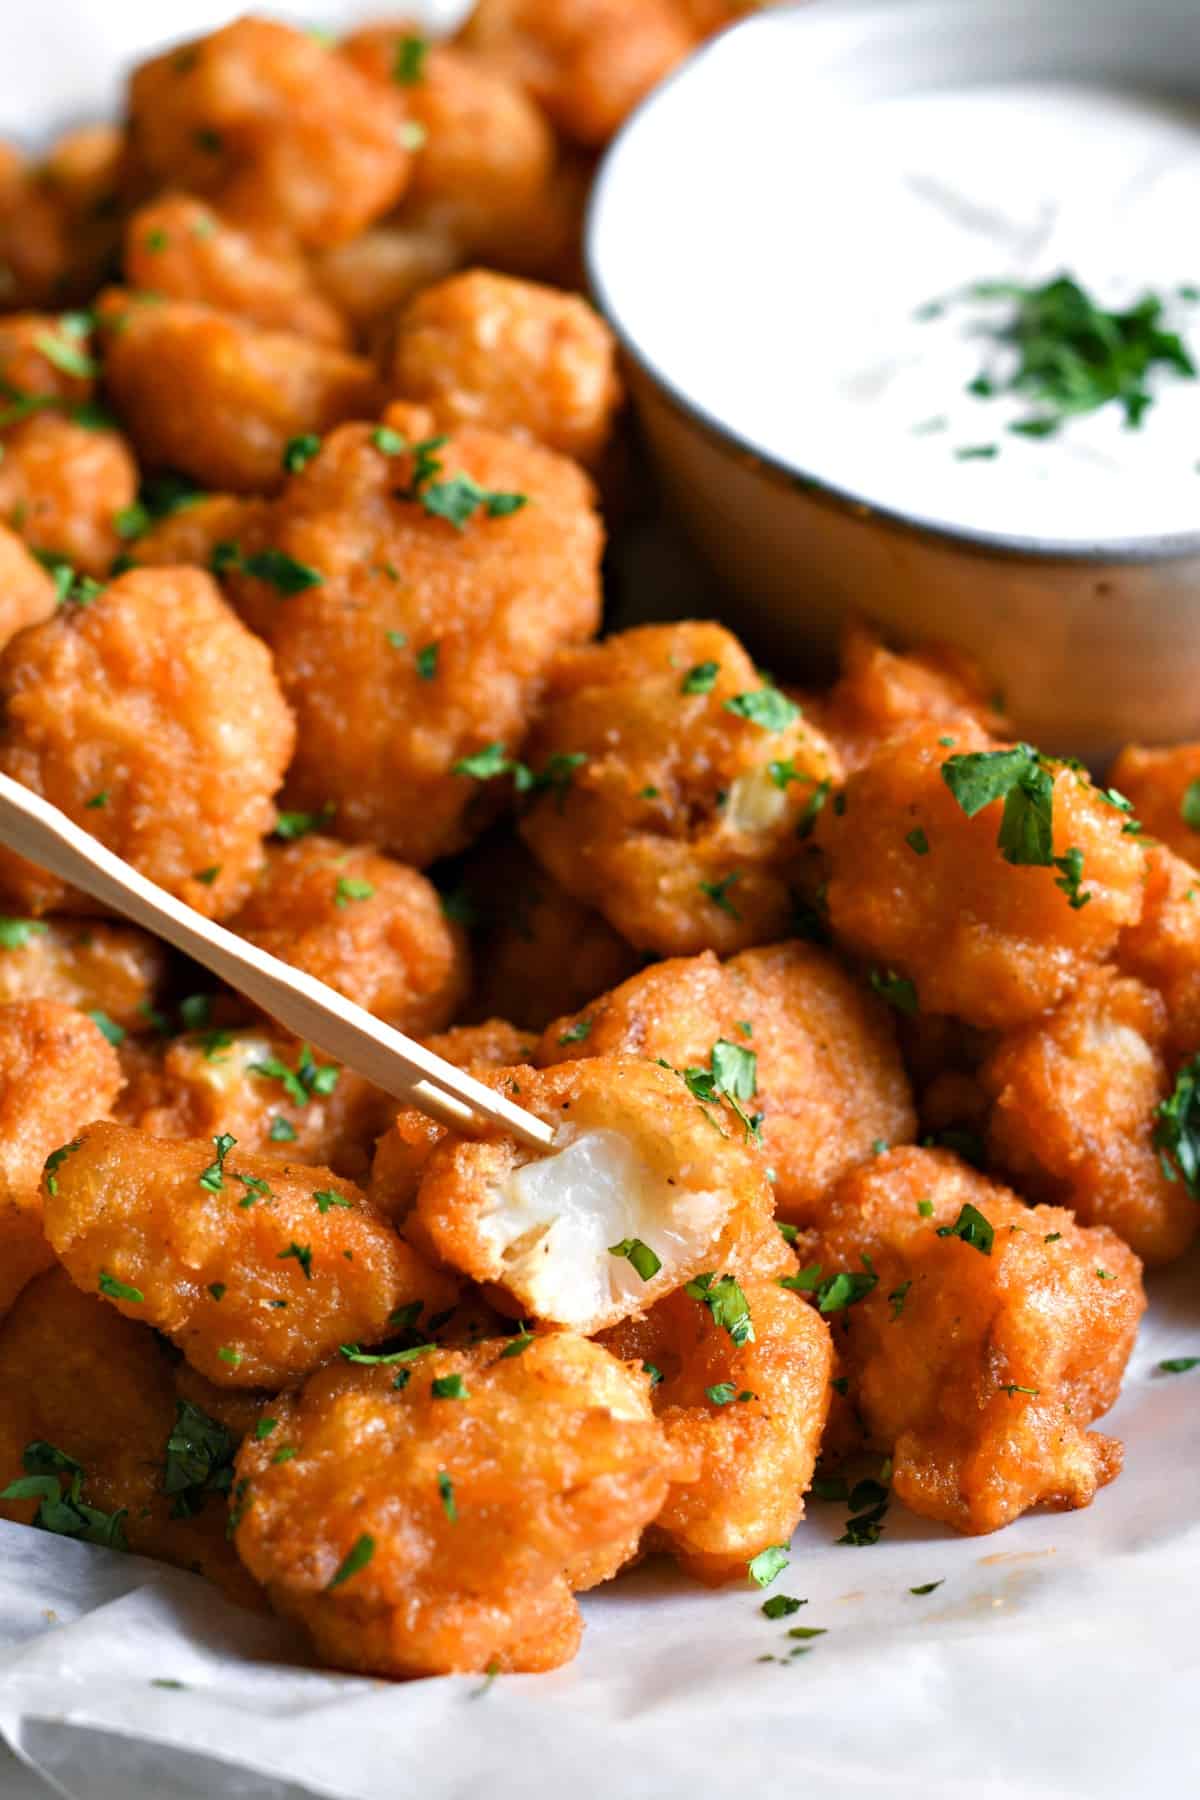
[(301, 1253), (356, 1558), (770, 1563), (576, 1033), (726, 1302), (16, 933), (765, 707), (107, 1027), (917, 842), (448, 1387), (427, 661), (348, 890), (1179, 1365), (718, 893), (65, 355), (64, 1511), (198, 1460), (213, 1178), (1013, 1387), (282, 1130), (298, 452), (927, 1587), (781, 1606), (641, 1256), (734, 1070), (925, 1209), (897, 990), (327, 1197), (701, 679), (1189, 806), (1177, 1129), (281, 571), (972, 1228), (119, 1290), (217, 1289), (446, 1491), (409, 55), (228, 1355)]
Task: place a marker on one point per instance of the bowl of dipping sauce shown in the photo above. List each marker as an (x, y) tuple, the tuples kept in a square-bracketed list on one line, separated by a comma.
[(910, 300)]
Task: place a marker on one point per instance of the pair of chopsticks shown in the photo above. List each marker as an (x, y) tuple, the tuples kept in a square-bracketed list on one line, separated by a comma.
[(341, 1029)]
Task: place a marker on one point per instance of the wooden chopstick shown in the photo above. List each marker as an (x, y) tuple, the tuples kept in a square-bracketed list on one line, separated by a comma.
[(38, 831)]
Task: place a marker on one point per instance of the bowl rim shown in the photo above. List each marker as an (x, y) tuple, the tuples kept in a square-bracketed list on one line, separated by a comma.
[(1152, 548)]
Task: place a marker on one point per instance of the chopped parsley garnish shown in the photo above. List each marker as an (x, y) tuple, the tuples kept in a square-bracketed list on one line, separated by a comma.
[(282, 1130), (256, 1188), (301, 1253), (1179, 1365), (925, 1208), (1177, 1129), (972, 1228), (383, 1358), (119, 1290), (1071, 866), (459, 499), (16, 933), (217, 1289), (575, 1034), (765, 707), (977, 452), (1013, 1387), (1024, 781), (108, 1027), (837, 1291), (299, 451), (446, 1490), (812, 806), (1189, 806), (229, 1355), (97, 801), (701, 679), (207, 876), (64, 1511), (276, 567), (917, 841), (327, 1197), (644, 1261), (789, 1233), (347, 890), (63, 350), (448, 1387), (781, 1606), (897, 1297), (727, 1304), (356, 1558), (734, 1070), (868, 1503), (199, 1460), (768, 1564), (897, 990), (213, 1178), (427, 661), (723, 1392), (927, 1587), (54, 1163), (299, 1084), (718, 893), (408, 60)]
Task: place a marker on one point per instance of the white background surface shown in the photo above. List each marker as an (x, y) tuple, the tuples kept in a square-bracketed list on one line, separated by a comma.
[(1058, 1662)]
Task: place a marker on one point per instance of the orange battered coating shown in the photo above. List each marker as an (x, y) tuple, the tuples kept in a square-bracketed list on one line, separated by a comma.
[(419, 644), (44, 356), (413, 1534), (172, 1222), (1163, 948), (1074, 1114), (756, 1442), (992, 942), (58, 217), (881, 694), (274, 127), (276, 1098), (538, 952), (57, 1073), (372, 275), (76, 1375), (481, 171), (370, 927), (116, 970), (681, 823), (942, 1352), (180, 247), (486, 349), (62, 486), (588, 62), (151, 716), (190, 534), (827, 1076), (27, 591), (1164, 787), (638, 1161), (218, 398)]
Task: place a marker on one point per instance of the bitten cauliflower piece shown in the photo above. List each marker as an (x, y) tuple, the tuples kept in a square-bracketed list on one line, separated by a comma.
[(257, 1270), (1163, 947), (57, 1072), (693, 777), (784, 1029), (152, 717), (369, 927), (114, 970), (409, 642), (1075, 1108), (920, 882), (516, 356), (85, 1393), (276, 128), (1163, 788), (438, 1515), (632, 1202), (989, 1336), (751, 1414)]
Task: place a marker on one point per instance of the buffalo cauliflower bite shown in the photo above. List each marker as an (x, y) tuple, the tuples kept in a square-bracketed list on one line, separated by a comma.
[(58, 217), (79, 1380), (785, 1030), (189, 535), (1075, 1098), (369, 927), (1163, 947), (636, 1198), (27, 591), (486, 349), (415, 643), (63, 486), (150, 716), (588, 62), (256, 1269), (1163, 787), (44, 358), (372, 275), (751, 1414), (219, 398), (537, 952), (991, 1334), (57, 1073), (693, 778), (114, 970), (275, 1097), (179, 247), (927, 895), (275, 127), (439, 1515)]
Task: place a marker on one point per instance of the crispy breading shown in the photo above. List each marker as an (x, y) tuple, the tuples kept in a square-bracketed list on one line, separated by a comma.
[(1163, 947), (116, 970), (63, 485), (1158, 782)]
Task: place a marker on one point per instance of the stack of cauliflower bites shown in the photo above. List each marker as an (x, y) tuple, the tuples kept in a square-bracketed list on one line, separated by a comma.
[(870, 1035)]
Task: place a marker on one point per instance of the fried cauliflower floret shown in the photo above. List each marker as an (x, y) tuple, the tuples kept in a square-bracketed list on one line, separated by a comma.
[(588, 62), (189, 536), (1164, 788), (681, 819), (27, 591), (62, 487), (801, 1042), (1074, 1114), (77, 1377), (369, 927), (57, 1072), (633, 1200), (486, 349), (220, 399), (257, 1270), (881, 694), (180, 247), (994, 1335), (151, 717), (925, 892), (1163, 948), (443, 1522), (486, 157), (538, 952), (44, 356), (277, 1098), (116, 970), (58, 217), (751, 1415), (371, 276), (274, 127), (418, 644)]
